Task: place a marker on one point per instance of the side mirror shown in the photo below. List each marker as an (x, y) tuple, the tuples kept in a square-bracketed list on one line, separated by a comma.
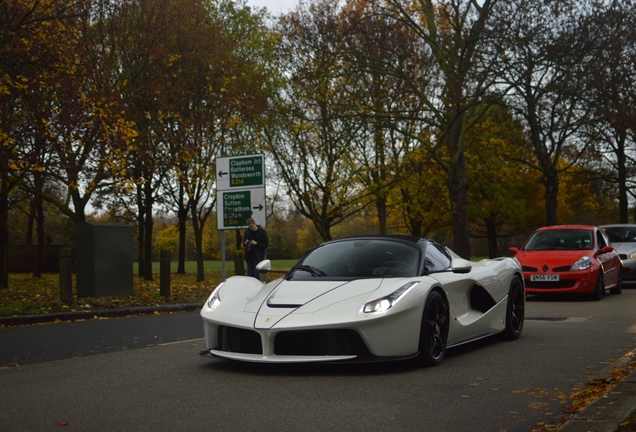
[(607, 249), (264, 266), (460, 265), (513, 250)]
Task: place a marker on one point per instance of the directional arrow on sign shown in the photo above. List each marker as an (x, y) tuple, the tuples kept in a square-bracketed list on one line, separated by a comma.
[(259, 207), (222, 173)]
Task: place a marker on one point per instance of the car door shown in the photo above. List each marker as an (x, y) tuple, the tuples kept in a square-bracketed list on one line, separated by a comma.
[(609, 260)]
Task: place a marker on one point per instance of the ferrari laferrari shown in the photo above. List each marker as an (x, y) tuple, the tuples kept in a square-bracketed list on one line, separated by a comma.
[(365, 299)]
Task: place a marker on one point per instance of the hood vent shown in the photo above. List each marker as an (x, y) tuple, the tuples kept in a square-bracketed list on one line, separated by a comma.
[(284, 306)]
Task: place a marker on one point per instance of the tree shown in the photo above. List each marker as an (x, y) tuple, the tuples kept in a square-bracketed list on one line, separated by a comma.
[(422, 195), (544, 59), (143, 35), (216, 113), (380, 97), (60, 122), (612, 85), (499, 204), (454, 31), (317, 124)]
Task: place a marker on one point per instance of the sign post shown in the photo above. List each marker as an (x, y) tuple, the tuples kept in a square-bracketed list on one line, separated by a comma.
[(240, 189)]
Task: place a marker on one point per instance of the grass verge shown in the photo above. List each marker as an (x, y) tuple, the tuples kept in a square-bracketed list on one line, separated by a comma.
[(29, 295)]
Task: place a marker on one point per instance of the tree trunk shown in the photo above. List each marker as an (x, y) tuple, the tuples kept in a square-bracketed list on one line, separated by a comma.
[(380, 205), (140, 248), (4, 233), (197, 229), (623, 203), (458, 192), (491, 231), (182, 214), (380, 180), (148, 224), (29, 229), (140, 235), (551, 182), (323, 229), (39, 218)]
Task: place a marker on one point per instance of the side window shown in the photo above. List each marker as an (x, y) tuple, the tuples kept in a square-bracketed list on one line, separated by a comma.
[(436, 258), (601, 239)]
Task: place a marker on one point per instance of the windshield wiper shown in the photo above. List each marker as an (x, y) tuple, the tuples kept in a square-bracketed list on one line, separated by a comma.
[(310, 269)]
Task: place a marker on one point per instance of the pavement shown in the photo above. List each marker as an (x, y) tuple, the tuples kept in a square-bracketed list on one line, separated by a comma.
[(604, 415), (608, 411)]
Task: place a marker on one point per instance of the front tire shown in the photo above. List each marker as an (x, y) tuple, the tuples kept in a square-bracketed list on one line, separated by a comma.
[(515, 312), (434, 330), (599, 287)]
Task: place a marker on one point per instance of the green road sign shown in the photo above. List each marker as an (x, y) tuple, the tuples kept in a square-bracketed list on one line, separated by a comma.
[(235, 207), (240, 172)]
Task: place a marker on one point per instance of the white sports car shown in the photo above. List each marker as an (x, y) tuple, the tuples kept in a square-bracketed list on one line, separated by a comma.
[(363, 299)]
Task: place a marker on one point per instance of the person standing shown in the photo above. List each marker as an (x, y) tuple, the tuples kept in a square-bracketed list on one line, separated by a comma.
[(256, 242)]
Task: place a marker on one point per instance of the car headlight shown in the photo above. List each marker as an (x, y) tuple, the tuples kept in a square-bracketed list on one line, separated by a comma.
[(215, 299), (632, 255), (582, 264), (383, 304)]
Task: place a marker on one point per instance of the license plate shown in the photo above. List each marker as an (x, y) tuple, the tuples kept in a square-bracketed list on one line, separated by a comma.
[(544, 277)]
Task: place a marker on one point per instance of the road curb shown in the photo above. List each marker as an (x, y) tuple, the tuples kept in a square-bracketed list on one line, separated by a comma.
[(608, 411), (14, 320)]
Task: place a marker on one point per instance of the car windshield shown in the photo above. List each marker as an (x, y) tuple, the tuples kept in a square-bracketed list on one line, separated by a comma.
[(621, 234), (358, 258), (565, 239)]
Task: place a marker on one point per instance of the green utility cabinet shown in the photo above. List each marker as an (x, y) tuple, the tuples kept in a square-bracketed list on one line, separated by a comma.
[(104, 259)]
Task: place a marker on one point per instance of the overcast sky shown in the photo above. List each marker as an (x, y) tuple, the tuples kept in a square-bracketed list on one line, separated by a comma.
[(274, 6)]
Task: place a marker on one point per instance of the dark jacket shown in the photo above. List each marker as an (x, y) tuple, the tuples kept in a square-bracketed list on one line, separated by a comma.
[(256, 252)]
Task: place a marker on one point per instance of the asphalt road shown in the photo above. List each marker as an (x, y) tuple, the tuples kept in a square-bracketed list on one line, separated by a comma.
[(46, 342), (89, 376)]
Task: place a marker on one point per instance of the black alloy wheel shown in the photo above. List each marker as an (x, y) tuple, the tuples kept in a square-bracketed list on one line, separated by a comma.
[(434, 330), (515, 312), (599, 287)]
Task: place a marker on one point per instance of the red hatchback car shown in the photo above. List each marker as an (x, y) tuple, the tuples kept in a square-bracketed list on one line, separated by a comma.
[(570, 259)]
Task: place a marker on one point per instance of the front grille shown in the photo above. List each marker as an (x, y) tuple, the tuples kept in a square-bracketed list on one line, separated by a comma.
[(320, 342), (552, 284), (529, 269), (622, 256), (239, 340), (562, 269)]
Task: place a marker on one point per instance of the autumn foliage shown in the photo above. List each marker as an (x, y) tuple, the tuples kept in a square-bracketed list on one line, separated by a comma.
[(458, 120)]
